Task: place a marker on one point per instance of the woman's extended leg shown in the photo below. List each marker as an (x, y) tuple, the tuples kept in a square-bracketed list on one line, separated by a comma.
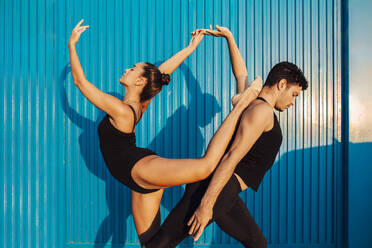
[(235, 99), (156, 172), (146, 213)]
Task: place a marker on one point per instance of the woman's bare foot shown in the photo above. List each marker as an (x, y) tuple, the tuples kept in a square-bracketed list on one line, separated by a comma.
[(249, 94)]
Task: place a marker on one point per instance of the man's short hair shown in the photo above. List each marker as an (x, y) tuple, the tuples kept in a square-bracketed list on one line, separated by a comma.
[(288, 71)]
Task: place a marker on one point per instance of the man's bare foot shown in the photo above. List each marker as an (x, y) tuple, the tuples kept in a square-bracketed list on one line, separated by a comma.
[(249, 94)]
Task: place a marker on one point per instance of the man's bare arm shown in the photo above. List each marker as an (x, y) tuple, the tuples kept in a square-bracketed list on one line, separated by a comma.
[(237, 63), (251, 127)]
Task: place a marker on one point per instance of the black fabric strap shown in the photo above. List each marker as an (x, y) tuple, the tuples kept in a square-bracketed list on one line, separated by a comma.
[(135, 117), (260, 98)]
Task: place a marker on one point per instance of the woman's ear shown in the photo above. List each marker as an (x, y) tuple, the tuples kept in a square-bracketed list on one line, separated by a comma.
[(140, 81)]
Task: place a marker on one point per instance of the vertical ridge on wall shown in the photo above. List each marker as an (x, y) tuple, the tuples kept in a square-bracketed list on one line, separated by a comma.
[(2, 120), (7, 139), (15, 124), (339, 92), (299, 155)]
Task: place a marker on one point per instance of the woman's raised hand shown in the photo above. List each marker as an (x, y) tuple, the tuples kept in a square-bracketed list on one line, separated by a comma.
[(219, 32), (196, 37), (76, 32)]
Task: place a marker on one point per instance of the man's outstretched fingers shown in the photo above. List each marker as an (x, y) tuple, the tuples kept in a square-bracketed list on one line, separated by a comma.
[(199, 233), (193, 227), (191, 220)]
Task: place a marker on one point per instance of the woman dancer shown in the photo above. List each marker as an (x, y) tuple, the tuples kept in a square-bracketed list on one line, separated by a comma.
[(144, 172)]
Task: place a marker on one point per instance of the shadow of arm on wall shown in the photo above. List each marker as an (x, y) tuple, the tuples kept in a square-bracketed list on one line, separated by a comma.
[(71, 113)]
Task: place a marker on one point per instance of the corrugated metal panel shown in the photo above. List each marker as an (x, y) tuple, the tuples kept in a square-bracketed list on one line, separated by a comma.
[(57, 191), (32, 136)]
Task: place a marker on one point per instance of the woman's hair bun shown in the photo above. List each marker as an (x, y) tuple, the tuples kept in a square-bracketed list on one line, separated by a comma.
[(165, 78)]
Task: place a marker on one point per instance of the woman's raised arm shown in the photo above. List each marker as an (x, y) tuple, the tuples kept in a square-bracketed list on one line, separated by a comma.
[(106, 102), (172, 63)]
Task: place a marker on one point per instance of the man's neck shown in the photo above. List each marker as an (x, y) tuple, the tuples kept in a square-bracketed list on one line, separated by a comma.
[(269, 95)]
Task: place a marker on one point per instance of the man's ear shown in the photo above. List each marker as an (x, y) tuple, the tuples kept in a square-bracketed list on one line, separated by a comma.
[(282, 84)]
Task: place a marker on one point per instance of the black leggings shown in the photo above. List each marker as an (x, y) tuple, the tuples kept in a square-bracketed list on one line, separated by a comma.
[(239, 224), (229, 212), (153, 229)]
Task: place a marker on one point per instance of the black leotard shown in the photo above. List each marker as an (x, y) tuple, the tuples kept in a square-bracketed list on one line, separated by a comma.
[(261, 156), (120, 152)]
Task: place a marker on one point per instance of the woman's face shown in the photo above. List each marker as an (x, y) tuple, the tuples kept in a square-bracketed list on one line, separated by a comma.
[(132, 75)]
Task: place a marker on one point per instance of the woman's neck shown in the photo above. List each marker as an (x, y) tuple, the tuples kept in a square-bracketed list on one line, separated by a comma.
[(131, 97), (135, 99)]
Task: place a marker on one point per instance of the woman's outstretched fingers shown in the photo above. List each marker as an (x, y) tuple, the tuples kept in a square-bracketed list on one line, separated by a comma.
[(196, 39), (211, 31), (76, 32), (83, 28), (203, 31), (79, 23)]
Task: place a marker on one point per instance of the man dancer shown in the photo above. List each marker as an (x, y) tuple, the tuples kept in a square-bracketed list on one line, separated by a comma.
[(251, 153)]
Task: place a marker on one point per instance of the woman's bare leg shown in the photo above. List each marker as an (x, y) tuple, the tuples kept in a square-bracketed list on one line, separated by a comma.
[(235, 99), (156, 172), (145, 208)]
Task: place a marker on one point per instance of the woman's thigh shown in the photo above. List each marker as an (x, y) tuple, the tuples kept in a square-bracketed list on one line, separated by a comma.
[(154, 172)]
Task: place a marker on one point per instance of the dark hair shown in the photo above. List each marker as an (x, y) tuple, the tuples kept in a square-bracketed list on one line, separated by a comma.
[(155, 81), (288, 71)]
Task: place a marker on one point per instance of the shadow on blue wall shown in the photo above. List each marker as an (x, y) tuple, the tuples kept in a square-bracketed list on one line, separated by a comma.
[(114, 226)]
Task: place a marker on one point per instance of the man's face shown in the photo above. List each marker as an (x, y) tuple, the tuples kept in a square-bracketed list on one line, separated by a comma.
[(288, 97)]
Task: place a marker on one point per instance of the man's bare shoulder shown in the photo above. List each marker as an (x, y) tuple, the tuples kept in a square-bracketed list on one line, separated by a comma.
[(258, 113), (259, 108)]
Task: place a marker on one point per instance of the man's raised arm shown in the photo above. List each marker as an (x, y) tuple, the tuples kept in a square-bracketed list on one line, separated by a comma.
[(237, 63)]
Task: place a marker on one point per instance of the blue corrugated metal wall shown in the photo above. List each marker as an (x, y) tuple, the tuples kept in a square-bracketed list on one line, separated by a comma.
[(57, 191)]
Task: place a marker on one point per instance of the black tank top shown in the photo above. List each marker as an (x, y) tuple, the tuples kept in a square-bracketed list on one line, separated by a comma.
[(261, 156)]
